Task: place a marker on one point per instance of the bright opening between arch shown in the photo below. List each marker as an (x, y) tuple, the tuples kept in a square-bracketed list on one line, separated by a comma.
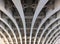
[(1, 41), (58, 42)]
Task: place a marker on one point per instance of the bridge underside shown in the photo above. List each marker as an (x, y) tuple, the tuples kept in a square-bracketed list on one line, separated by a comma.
[(29, 21)]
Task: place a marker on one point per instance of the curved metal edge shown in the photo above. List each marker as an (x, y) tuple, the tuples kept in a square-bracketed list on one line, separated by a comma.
[(56, 39), (52, 35), (7, 33), (10, 29), (50, 31), (18, 5), (48, 15), (4, 37), (41, 4), (11, 17), (48, 26)]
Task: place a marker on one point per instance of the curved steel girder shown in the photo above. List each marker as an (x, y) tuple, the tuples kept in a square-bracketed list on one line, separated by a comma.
[(54, 37), (10, 29), (48, 26), (11, 17), (41, 4), (4, 37), (18, 5), (7, 33), (48, 15), (50, 32)]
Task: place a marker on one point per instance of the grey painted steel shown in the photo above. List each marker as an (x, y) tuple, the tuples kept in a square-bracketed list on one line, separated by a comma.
[(18, 5), (4, 37), (48, 15), (7, 33), (11, 17), (54, 37), (50, 32), (10, 29), (48, 26), (41, 4)]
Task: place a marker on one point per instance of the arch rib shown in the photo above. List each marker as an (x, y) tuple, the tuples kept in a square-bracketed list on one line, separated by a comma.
[(11, 17), (48, 26), (54, 37), (48, 15), (10, 29), (41, 4), (18, 5), (50, 32), (4, 37), (7, 33)]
